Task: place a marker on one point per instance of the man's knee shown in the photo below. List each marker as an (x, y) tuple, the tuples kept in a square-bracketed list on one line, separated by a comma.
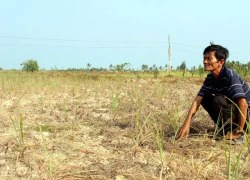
[(219, 102)]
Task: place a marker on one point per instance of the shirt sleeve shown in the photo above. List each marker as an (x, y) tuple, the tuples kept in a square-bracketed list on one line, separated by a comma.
[(236, 86), (206, 87)]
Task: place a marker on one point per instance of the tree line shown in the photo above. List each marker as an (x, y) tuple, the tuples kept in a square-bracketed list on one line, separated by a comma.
[(243, 69)]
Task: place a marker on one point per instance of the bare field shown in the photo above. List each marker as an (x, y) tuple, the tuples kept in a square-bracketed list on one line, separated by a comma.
[(78, 126)]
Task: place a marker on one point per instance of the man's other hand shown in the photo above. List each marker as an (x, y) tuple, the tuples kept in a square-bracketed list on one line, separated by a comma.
[(233, 135)]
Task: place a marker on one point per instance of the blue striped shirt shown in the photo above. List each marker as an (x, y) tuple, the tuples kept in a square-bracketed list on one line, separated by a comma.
[(229, 83)]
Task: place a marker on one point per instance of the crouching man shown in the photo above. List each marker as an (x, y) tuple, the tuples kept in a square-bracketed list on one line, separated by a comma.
[(224, 95)]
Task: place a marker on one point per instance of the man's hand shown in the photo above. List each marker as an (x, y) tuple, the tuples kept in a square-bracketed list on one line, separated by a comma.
[(233, 135), (183, 131)]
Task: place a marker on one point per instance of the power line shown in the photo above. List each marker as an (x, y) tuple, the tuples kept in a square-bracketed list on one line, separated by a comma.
[(150, 43), (80, 40), (153, 42), (79, 46), (105, 44)]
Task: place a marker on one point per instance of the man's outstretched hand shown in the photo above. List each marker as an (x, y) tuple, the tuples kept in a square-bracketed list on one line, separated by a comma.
[(183, 131)]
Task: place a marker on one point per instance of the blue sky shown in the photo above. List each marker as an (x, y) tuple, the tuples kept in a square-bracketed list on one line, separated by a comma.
[(71, 33)]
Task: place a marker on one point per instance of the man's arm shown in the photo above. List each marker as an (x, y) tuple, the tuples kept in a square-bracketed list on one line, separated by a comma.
[(243, 106), (184, 130)]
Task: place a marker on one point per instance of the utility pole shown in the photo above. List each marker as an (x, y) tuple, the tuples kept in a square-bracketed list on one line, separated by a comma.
[(169, 55)]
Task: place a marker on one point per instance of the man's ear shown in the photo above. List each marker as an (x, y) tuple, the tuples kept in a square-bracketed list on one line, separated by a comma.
[(222, 61)]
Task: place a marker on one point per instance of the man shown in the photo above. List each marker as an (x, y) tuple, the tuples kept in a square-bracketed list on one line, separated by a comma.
[(224, 95)]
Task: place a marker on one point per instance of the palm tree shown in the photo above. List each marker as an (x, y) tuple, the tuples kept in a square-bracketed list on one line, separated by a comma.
[(88, 66), (144, 67), (111, 67)]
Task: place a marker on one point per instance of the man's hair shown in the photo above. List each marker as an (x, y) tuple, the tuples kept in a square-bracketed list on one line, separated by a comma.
[(220, 51)]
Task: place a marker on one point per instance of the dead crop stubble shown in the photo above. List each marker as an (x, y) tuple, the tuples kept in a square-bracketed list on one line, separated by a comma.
[(96, 128)]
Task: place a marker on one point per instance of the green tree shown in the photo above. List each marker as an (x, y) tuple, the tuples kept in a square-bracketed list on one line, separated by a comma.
[(200, 70), (88, 66), (111, 67), (144, 67), (30, 65), (122, 67), (155, 71), (183, 66), (242, 69), (193, 69)]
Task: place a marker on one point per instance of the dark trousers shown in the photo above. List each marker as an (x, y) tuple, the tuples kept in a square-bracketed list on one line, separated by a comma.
[(222, 111)]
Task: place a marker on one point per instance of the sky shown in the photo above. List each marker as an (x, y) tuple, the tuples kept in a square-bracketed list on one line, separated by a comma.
[(66, 34)]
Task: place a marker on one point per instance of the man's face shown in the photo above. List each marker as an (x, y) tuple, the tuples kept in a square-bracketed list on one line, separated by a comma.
[(211, 63)]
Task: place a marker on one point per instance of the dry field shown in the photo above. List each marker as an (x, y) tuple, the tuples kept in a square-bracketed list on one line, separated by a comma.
[(73, 125)]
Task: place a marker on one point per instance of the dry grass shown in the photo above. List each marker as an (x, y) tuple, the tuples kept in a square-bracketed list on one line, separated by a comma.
[(85, 126)]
